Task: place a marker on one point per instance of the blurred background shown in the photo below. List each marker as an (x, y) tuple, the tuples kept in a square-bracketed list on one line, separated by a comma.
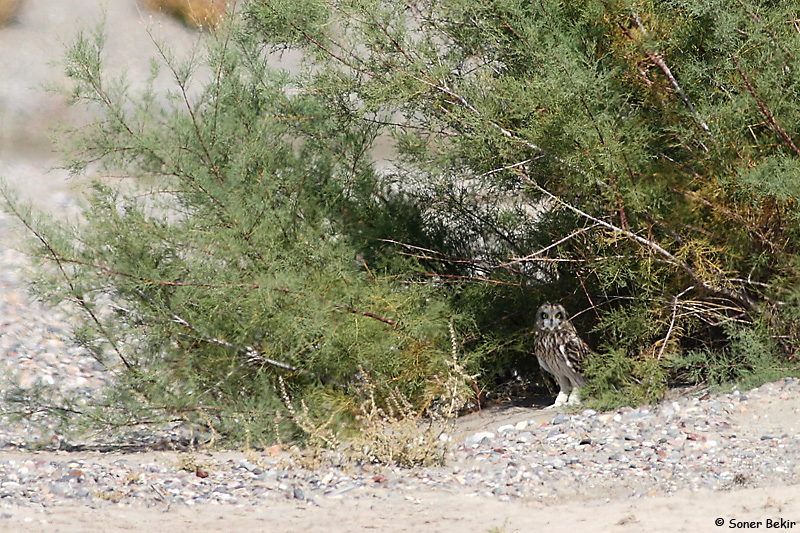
[(34, 35)]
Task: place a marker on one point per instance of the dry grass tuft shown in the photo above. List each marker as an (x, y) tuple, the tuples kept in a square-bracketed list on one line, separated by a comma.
[(394, 433), (398, 435)]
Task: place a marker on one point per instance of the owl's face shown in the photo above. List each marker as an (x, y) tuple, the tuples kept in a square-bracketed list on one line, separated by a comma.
[(551, 317)]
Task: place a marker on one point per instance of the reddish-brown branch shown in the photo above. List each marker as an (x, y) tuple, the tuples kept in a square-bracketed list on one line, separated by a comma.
[(588, 296), (367, 314), (656, 58), (770, 118), (67, 279)]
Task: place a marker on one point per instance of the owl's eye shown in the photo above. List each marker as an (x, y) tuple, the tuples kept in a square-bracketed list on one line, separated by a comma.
[(544, 316), (558, 315)]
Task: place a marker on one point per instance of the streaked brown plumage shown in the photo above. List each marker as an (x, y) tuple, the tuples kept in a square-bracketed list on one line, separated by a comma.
[(560, 351)]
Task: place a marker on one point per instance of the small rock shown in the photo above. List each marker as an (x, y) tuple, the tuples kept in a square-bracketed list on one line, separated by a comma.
[(525, 436), (60, 488), (480, 438)]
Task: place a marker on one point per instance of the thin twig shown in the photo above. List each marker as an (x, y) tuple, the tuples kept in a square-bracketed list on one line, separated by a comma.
[(253, 356), (57, 258), (672, 321), (742, 298), (183, 86), (433, 255), (764, 109), (367, 314), (310, 38), (506, 133), (656, 58), (530, 257), (589, 297)]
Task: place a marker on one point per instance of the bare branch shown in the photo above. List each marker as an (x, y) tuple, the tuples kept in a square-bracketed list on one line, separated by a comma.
[(742, 298), (764, 109), (531, 257), (672, 321), (656, 58)]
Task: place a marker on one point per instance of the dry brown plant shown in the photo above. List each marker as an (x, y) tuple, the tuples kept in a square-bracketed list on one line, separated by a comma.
[(8, 8), (399, 434), (195, 13)]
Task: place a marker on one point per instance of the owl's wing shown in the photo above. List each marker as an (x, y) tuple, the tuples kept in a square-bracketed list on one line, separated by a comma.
[(575, 351)]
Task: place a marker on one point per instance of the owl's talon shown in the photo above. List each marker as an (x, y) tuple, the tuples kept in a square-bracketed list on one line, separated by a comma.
[(561, 399), (574, 398)]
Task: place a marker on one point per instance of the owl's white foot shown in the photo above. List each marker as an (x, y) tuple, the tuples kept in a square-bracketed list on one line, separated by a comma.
[(561, 399), (574, 398)]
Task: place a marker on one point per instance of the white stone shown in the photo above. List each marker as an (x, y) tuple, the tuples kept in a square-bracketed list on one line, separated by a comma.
[(478, 437)]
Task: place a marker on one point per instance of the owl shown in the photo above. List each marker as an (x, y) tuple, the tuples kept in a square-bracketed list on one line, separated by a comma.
[(560, 352)]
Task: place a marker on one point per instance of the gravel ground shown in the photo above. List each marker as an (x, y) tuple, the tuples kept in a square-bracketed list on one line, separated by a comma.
[(714, 442), (710, 442)]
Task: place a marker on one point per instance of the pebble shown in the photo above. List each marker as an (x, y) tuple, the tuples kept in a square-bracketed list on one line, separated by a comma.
[(483, 437)]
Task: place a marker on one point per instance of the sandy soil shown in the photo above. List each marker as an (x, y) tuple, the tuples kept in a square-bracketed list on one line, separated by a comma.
[(444, 513), (30, 47)]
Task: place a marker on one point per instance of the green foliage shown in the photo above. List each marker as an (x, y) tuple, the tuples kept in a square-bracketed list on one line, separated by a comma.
[(615, 379), (631, 159), (231, 258), (750, 358), (635, 161)]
